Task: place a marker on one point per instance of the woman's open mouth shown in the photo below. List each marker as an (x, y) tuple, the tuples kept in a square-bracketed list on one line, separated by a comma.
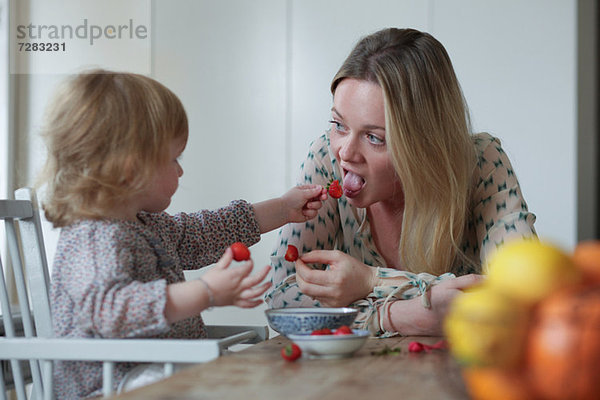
[(352, 184)]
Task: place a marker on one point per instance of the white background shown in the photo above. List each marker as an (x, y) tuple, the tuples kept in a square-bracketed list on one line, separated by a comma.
[(254, 78)]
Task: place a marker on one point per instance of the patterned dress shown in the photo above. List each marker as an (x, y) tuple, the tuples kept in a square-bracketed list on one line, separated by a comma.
[(498, 214), (109, 280)]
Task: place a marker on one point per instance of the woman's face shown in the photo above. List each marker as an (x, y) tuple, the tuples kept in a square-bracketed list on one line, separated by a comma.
[(359, 144)]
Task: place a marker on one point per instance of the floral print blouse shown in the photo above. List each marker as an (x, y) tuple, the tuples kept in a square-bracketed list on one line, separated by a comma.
[(109, 280), (499, 213)]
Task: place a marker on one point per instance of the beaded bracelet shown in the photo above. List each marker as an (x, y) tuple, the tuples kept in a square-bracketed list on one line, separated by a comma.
[(211, 297)]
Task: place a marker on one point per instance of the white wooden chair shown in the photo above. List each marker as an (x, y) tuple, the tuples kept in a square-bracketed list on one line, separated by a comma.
[(26, 332)]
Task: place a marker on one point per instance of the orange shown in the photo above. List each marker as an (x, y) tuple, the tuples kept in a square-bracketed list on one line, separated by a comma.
[(563, 350), (587, 257), (497, 384)]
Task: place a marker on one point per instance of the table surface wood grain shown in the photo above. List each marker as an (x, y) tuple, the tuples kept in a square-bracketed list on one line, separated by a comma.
[(259, 372)]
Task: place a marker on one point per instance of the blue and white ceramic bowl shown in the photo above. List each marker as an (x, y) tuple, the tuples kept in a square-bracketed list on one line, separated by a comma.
[(301, 321)]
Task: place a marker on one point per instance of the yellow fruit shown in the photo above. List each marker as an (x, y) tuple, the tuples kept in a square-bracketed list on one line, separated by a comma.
[(486, 328), (530, 270)]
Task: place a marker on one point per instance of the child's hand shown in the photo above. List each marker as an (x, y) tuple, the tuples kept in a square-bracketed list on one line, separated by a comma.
[(303, 202), (298, 204), (235, 286)]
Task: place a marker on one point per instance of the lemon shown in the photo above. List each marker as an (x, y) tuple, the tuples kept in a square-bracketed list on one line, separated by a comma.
[(530, 270), (484, 327)]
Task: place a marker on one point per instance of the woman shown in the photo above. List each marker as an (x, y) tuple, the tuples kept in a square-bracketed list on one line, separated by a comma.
[(425, 201)]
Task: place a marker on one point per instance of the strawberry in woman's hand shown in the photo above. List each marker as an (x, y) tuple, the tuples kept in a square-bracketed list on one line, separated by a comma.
[(334, 189), (240, 251), (291, 254)]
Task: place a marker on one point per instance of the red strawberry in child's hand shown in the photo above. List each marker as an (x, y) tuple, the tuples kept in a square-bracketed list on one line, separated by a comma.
[(291, 254), (334, 189), (240, 251)]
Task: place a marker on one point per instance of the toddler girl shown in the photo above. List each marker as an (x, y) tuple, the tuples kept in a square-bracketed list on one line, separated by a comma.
[(114, 141)]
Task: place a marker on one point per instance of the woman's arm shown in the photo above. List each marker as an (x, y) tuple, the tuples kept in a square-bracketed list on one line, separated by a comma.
[(410, 318)]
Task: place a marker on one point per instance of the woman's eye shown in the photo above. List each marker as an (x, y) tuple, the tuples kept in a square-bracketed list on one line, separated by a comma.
[(338, 126), (373, 139)]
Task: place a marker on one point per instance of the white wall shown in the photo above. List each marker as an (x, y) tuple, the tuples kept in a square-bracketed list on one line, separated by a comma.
[(517, 64), (254, 78)]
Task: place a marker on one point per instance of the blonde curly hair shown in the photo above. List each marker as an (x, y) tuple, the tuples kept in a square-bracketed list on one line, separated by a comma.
[(106, 133)]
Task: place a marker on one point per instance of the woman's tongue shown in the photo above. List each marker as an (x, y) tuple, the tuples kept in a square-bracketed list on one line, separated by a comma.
[(352, 183)]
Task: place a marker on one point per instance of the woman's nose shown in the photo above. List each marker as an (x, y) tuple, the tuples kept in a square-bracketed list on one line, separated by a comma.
[(179, 170), (349, 148)]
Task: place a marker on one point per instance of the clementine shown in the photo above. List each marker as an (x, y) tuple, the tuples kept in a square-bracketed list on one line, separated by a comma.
[(497, 384), (587, 257), (563, 350)]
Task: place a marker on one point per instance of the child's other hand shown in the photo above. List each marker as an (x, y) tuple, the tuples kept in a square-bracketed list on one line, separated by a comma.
[(303, 202), (235, 286)]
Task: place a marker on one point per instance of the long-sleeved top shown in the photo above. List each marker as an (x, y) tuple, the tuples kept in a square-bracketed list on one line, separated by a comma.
[(110, 276), (498, 213)]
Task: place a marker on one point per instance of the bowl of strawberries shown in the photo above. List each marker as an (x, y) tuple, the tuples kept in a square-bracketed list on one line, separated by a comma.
[(304, 321), (327, 343)]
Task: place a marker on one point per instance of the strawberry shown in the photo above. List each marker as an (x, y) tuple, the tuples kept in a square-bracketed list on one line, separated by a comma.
[(292, 253), (323, 331), (240, 251), (343, 330), (417, 347), (291, 352), (334, 189)]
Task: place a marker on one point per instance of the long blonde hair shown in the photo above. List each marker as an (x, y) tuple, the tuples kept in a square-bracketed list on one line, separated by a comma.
[(106, 133), (429, 140)]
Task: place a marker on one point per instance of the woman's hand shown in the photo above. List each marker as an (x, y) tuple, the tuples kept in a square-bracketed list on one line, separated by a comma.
[(235, 286), (346, 280), (409, 317)]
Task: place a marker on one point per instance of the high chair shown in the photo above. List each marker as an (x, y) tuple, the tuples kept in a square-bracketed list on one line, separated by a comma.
[(27, 346)]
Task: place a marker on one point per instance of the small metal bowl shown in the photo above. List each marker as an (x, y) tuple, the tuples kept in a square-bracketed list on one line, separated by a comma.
[(302, 321)]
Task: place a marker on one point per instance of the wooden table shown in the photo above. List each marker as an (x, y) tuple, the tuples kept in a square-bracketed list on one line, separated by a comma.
[(259, 372)]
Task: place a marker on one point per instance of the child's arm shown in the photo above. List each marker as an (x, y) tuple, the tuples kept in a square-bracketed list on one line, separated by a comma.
[(221, 286), (298, 204)]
